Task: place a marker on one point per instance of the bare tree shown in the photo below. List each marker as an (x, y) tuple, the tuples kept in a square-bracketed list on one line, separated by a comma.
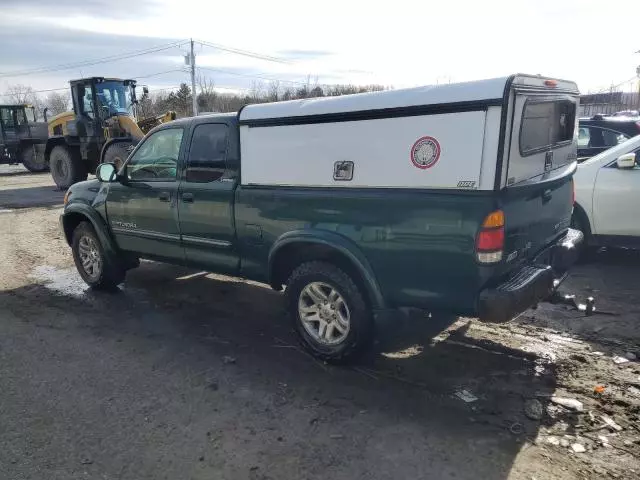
[(208, 95), (19, 94), (57, 103), (274, 91)]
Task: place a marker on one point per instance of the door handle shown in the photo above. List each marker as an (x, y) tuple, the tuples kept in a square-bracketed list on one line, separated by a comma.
[(187, 197), (546, 195), (164, 196)]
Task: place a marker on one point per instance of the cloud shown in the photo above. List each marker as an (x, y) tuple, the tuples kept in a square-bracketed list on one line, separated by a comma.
[(118, 9), (401, 44)]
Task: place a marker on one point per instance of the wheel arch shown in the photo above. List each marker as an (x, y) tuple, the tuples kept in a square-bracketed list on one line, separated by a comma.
[(53, 142), (77, 213), (581, 214), (297, 247)]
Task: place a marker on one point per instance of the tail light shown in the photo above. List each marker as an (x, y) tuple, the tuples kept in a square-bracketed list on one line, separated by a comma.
[(490, 239), (638, 125)]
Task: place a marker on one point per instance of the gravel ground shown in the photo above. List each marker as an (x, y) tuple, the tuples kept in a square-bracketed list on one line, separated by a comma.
[(189, 375)]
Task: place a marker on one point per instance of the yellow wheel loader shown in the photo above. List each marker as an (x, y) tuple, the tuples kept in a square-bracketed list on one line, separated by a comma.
[(101, 128)]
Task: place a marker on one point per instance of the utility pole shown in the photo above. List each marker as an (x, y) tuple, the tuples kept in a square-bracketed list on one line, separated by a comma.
[(194, 96)]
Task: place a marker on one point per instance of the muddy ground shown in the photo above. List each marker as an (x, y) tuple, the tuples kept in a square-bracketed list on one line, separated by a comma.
[(188, 375)]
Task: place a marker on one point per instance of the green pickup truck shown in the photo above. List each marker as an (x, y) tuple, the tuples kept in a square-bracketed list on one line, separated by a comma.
[(454, 197)]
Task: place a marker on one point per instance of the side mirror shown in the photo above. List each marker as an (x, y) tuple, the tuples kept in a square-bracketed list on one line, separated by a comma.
[(106, 172), (626, 161)]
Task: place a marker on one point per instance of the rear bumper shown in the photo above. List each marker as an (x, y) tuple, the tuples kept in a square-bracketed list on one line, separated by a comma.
[(531, 283)]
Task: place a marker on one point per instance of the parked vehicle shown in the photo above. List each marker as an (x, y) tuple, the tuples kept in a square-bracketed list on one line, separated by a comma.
[(22, 137), (356, 204), (608, 196), (599, 133), (627, 113)]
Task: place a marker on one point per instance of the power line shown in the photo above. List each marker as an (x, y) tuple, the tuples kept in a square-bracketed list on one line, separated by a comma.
[(36, 91), (273, 79), (245, 53), (67, 87), (88, 63)]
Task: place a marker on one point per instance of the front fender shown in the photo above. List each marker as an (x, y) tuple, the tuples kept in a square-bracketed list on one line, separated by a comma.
[(70, 216), (341, 244)]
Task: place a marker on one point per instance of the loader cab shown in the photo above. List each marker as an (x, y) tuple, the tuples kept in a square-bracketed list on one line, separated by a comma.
[(97, 104), (17, 123), (98, 99)]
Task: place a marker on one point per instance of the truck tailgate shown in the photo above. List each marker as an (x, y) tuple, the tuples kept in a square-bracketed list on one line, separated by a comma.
[(536, 213)]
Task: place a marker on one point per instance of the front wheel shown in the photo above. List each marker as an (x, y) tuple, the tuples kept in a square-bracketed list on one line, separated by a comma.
[(95, 268), (66, 167), (329, 312)]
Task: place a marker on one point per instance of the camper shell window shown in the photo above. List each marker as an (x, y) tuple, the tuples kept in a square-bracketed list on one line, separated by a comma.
[(546, 124)]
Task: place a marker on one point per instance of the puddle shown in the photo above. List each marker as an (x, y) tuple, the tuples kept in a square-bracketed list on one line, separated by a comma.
[(62, 281)]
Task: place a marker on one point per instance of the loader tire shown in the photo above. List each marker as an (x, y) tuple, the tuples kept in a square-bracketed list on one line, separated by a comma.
[(32, 161), (66, 167), (117, 154)]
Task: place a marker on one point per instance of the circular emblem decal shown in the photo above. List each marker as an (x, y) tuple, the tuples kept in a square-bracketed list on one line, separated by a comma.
[(425, 153)]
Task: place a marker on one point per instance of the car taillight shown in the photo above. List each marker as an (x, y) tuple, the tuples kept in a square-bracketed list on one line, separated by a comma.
[(490, 239), (638, 125)]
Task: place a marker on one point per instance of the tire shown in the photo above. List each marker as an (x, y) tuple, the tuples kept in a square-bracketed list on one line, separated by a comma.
[(578, 222), (95, 268), (66, 167), (338, 342), (117, 154), (32, 161)]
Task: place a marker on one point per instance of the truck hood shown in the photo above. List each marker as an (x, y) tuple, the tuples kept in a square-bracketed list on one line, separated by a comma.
[(84, 192)]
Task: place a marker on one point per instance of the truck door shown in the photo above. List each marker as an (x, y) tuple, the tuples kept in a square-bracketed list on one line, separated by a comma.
[(142, 207), (205, 200)]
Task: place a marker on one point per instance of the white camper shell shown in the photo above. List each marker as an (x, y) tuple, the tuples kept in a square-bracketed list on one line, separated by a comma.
[(480, 135)]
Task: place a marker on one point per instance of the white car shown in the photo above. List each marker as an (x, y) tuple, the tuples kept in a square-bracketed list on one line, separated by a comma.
[(607, 190)]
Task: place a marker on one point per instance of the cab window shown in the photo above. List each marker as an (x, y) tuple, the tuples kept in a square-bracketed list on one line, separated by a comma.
[(6, 116), (87, 102), (20, 117), (208, 153), (157, 158)]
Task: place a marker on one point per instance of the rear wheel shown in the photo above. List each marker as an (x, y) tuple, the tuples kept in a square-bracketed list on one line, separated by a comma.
[(33, 161), (579, 222), (66, 167), (117, 153), (95, 268), (329, 312)]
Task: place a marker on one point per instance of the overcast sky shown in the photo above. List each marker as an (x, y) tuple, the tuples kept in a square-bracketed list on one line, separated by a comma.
[(398, 43)]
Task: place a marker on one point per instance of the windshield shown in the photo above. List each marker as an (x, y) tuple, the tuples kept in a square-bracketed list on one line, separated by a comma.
[(614, 152), (30, 112), (114, 97)]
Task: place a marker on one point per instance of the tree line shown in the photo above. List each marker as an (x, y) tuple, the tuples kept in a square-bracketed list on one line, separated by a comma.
[(209, 98)]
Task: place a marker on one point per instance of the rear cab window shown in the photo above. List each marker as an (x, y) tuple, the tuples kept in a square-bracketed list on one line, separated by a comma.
[(208, 153)]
